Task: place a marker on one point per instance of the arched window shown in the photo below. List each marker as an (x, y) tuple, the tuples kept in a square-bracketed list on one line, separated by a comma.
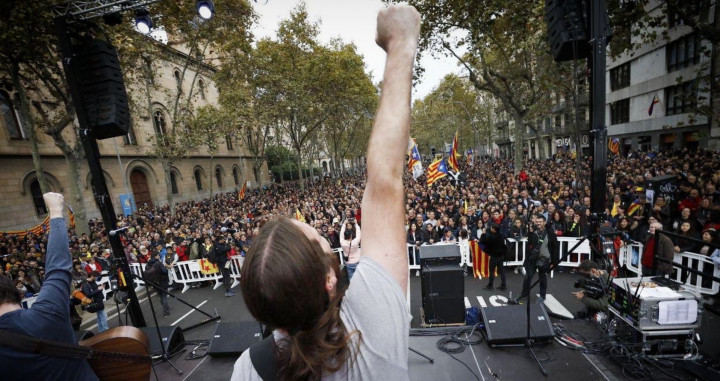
[(201, 88), (198, 180), (218, 177), (236, 176), (14, 129), (38, 201), (256, 173), (173, 183), (178, 79), (159, 122)]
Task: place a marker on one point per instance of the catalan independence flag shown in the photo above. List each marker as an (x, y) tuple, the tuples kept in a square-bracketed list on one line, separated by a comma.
[(614, 145), (480, 260), (241, 194), (436, 171), (453, 159), (414, 161), (299, 216), (634, 207)]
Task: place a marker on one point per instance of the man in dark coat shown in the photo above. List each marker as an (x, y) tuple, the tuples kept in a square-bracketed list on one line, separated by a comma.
[(157, 272), (542, 250), (221, 260), (95, 292), (495, 248)]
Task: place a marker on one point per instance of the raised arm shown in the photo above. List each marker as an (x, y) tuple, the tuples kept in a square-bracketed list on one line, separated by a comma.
[(55, 291), (398, 29)]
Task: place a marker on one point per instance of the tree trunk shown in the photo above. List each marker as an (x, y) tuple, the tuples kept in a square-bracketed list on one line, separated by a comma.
[(77, 201), (578, 135), (212, 178), (300, 171), (168, 186), (714, 119), (28, 121), (519, 144)]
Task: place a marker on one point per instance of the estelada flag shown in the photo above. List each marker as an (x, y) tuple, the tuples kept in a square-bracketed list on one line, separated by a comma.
[(614, 145), (436, 171), (241, 194), (480, 260), (207, 268)]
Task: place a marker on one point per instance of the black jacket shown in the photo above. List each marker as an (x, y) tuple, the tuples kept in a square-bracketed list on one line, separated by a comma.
[(221, 251), (494, 244), (534, 244), (163, 280), (90, 289)]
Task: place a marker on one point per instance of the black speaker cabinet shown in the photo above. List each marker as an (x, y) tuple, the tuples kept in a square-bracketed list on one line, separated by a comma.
[(232, 339), (567, 30), (508, 324), (443, 294), (440, 254), (172, 338)]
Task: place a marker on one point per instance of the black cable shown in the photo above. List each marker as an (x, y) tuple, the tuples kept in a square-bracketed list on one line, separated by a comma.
[(199, 351), (453, 342)]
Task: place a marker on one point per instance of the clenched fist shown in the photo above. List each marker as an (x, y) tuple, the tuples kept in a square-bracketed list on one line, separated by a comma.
[(398, 27), (55, 203)]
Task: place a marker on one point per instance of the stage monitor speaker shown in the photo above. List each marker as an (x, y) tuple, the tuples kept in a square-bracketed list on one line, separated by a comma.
[(172, 338), (443, 294), (508, 324), (439, 254), (567, 29), (104, 97), (83, 335), (232, 339)]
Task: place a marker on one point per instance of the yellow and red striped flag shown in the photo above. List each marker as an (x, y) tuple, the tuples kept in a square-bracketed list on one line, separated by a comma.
[(481, 261), (453, 159), (634, 207), (436, 171), (299, 216), (241, 194)]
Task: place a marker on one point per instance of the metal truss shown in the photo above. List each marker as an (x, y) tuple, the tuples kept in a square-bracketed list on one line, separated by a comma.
[(90, 9)]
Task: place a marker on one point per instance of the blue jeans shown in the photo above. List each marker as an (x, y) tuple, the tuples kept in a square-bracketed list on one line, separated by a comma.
[(350, 269), (102, 323)]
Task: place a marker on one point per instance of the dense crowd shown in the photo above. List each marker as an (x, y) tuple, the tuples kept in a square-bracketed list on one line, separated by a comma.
[(486, 193)]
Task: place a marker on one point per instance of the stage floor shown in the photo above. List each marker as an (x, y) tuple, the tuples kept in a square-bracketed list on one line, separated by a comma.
[(486, 363)]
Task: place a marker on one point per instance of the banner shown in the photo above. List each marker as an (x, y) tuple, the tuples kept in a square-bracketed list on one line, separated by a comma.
[(207, 268), (127, 201)]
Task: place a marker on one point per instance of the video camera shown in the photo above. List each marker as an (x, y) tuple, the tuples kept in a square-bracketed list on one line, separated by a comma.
[(593, 286)]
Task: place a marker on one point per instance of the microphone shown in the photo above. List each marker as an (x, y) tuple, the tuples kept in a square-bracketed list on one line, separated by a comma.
[(115, 232)]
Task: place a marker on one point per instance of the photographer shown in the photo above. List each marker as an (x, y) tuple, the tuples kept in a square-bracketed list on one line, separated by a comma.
[(594, 296), (542, 247)]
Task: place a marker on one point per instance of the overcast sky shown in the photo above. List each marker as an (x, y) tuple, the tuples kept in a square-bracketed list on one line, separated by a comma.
[(352, 21)]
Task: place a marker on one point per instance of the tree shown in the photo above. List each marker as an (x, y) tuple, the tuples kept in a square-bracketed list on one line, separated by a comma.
[(506, 51)]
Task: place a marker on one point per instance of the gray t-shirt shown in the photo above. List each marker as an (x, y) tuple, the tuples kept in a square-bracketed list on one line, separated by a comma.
[(375, 305)]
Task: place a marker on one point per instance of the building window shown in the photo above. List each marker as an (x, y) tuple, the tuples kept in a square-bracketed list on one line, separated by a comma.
[(14, 129), (680, 99), (218, 177), (228, 142), (558, 121), (682, 53), (620, 111), (178, 80), (201, 88), (691, 9), (159, 123), (173, 183), (37, 196), (236, 177), (620, 77), (129, 139), (198, 180)]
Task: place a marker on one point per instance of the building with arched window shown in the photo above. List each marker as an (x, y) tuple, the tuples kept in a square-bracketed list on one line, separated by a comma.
[(129, 162)]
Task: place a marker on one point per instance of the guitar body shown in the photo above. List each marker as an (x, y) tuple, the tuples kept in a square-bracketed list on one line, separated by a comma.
[(123, 339)]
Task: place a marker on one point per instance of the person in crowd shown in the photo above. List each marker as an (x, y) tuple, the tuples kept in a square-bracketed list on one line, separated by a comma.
[(48, 318), (157, 272), (557, 223), (665, 250), (495, 247), (429, 235), (221, 249), (316, 335), (448, 236), (92, 265), (684, 243), (414, 238), (351, 247), (94, 291)]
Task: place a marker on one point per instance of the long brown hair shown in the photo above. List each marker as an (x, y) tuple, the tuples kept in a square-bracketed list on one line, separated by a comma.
[(283, 284)]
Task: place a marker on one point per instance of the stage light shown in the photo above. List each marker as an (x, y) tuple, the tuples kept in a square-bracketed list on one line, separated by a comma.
[(205, 9), (143, 22)]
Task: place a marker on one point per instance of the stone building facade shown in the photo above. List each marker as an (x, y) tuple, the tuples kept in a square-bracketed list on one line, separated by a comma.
[(127, 161)]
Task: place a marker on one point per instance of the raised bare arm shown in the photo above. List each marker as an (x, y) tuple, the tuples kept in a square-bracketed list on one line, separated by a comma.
[(398, 29)]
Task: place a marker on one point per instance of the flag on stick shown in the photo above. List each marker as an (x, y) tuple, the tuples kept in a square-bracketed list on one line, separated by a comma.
[(299, 216), (452, 160), (654, 101), (241, 194), (614, 145), (436, 171)]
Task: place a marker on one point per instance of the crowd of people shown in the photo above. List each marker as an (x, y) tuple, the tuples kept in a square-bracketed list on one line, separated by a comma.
[(488, 193)]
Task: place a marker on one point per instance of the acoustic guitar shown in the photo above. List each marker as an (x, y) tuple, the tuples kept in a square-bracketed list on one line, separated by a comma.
[(120, 354)]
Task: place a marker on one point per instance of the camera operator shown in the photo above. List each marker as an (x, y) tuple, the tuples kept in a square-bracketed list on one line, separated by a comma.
[(594, 294)]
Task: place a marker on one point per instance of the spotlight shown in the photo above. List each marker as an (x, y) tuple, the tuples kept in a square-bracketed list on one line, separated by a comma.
[(205, 9), (143, 22)]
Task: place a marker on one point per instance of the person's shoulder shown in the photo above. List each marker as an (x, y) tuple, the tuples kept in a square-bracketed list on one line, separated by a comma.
[(243, 368)]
